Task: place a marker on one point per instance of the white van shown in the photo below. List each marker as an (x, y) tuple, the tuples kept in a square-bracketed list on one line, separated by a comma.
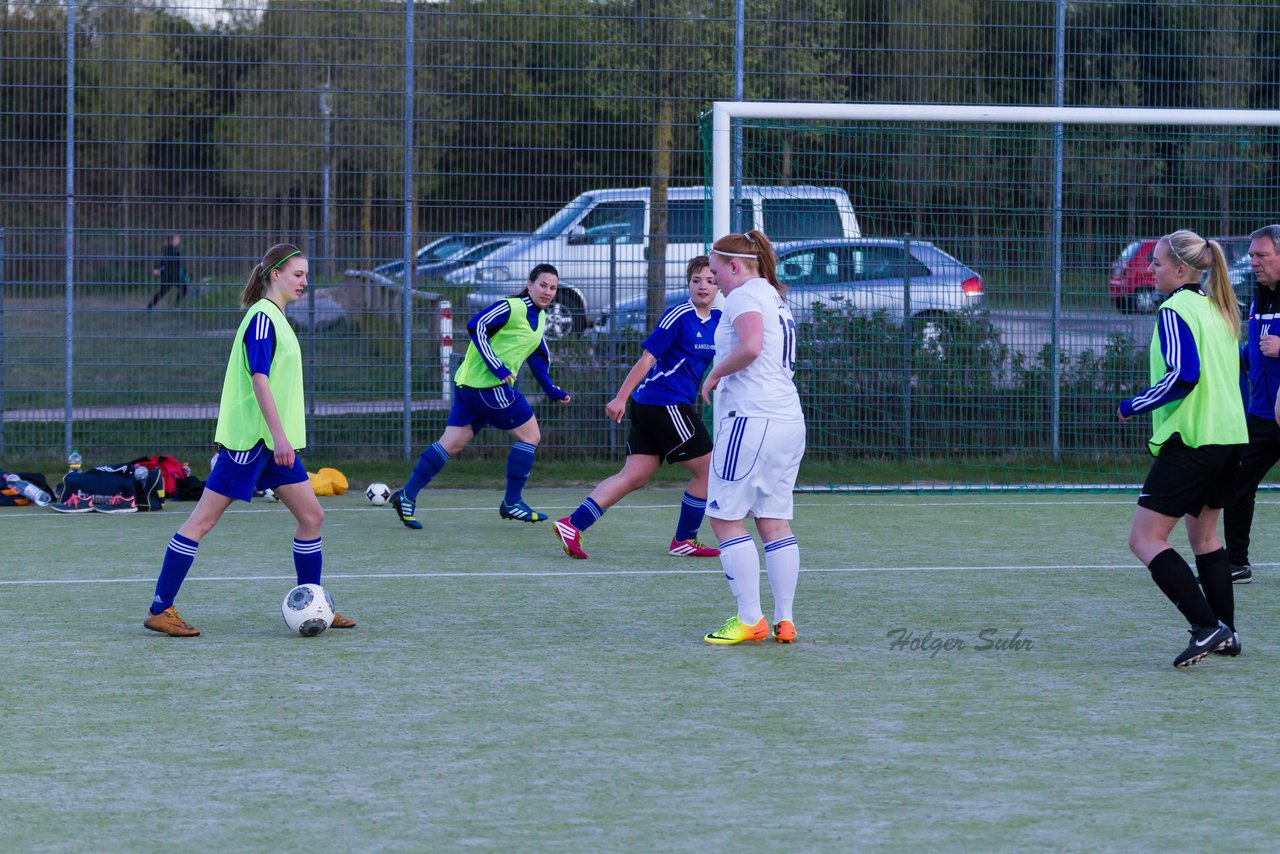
[(577, 241)]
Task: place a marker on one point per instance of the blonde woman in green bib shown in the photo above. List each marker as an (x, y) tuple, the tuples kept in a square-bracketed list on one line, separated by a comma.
[(1197, 433), (261, 428)]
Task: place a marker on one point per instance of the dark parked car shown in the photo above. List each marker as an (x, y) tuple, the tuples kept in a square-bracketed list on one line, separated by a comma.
[(438, 257)]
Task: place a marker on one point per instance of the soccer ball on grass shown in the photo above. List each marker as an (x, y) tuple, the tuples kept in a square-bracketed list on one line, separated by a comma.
[(378, 494), (307, 610)]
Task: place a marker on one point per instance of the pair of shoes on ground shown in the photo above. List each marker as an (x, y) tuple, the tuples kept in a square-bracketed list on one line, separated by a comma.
[(80, 502), (734, 631), (167, 622), (406, 508), (1208, 639), (570, 538)]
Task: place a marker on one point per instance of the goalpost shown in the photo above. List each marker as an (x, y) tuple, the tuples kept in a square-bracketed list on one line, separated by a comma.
[(1044, 203)]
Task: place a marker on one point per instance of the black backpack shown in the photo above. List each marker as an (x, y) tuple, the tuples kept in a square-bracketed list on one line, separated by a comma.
[(148, 493)]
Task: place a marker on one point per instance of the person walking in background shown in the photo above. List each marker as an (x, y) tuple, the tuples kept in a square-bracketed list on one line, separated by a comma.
[(663, 385), (503, 337), (261, 427), (172, 272), (1197, 432), (1261, 360), (760, 437)]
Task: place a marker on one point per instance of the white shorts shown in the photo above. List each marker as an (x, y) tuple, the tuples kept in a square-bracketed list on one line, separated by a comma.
[(754, 465)]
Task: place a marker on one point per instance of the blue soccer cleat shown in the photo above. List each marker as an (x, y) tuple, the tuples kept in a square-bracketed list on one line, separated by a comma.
[(521, 512), (405, 509)]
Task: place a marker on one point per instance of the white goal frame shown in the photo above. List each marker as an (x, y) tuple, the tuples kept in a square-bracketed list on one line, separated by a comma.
[(724, 112)]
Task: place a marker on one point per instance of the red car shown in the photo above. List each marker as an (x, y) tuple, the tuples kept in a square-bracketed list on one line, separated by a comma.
[(1131, 287)]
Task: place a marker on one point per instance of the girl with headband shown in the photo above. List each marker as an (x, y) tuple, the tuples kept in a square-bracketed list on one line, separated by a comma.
[(261, 428)]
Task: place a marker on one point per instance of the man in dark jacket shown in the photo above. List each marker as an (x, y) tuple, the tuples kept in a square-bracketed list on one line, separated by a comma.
[(171, 272), (1260, 356)]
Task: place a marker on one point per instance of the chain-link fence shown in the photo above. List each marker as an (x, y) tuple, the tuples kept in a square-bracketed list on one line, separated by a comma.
[(154, 150)]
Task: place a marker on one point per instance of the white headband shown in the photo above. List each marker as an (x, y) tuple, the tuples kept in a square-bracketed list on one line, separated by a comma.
[(752, 256)]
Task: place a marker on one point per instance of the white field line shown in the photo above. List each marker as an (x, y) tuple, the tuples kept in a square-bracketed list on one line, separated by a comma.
[(605, 573), (869, 503)]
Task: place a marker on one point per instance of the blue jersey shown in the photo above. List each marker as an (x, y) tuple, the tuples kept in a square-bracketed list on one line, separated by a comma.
[(1263, 371), (684, 345)]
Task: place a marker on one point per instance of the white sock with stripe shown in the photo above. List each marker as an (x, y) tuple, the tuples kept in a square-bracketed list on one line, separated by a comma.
[(741, 564), (782, 562)]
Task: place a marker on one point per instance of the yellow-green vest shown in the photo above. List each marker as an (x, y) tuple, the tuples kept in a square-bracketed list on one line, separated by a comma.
[(514, 343), (1212, 414), (240, 421)]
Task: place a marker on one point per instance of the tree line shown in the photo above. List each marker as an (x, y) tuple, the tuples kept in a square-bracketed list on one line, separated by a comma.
[(231, 122)]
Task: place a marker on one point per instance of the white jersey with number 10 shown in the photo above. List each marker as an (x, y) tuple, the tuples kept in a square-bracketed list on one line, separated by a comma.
[(764, 388)]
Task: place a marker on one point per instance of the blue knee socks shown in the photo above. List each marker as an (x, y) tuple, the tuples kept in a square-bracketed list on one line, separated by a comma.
[(691, 511), (307, 560), (178, 558), (519, 465), (429, 464)]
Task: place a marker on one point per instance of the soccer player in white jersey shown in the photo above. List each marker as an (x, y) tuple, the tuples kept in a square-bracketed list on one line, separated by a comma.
[(760, 437)]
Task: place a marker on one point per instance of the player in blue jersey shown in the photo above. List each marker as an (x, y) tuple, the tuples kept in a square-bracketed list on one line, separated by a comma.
[(664, 425), (261, 426), (503, 337), (1261, 358)]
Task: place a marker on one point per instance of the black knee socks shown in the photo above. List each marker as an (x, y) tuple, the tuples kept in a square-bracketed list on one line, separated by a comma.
[(1173, 576), (1215, 578)]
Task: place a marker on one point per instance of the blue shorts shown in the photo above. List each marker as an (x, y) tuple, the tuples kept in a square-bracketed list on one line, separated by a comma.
[(236, 474), (502, 406)]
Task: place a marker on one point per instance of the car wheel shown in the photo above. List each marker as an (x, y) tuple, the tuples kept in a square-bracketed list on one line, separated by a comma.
[(565, 317), (933, 336), (1124, 304), (1146, 301)]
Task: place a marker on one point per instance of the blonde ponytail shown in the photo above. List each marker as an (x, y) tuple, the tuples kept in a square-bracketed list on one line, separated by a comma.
[(1203, 256)]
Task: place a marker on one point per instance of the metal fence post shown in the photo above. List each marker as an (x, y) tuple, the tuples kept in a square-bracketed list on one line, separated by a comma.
[(1059, 72), (310, 383), (406, 308), (69, 226), (3, 287), (611, 348), (739, 92), (908, 343)]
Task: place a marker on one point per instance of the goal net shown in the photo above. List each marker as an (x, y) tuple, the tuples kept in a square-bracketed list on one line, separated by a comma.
[(996, 309)]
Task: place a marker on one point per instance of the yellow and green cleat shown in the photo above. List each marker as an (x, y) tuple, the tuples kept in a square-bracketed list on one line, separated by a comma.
[(736, 631)]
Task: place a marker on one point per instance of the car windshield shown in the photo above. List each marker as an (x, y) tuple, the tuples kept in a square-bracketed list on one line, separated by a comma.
[(564, 218), (445, 247), (482, 250)]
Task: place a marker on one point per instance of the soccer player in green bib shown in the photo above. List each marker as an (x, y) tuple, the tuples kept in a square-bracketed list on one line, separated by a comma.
[(261, 427), (503, 337), (1197, 433)]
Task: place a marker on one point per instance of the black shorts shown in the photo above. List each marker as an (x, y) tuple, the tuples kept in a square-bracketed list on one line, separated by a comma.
[(672, 433), (1183, 480)]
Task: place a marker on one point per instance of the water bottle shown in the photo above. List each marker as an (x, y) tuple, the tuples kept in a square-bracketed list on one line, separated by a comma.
[(73, 461), (37, 495)]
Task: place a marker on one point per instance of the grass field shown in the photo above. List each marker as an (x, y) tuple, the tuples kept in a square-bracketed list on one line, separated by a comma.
[(497, 696)]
